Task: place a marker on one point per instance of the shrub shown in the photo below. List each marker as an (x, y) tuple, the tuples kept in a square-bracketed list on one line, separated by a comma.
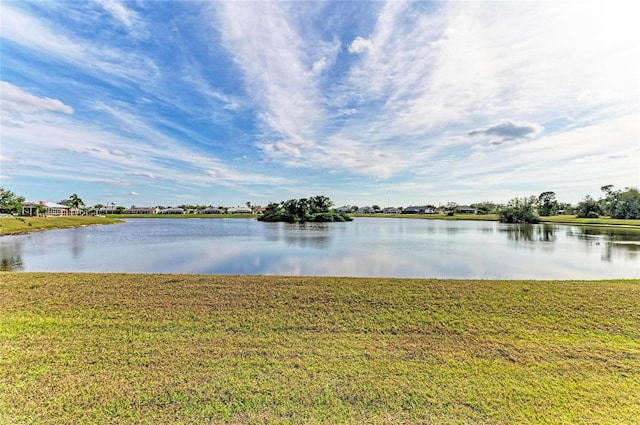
[(520, 210)]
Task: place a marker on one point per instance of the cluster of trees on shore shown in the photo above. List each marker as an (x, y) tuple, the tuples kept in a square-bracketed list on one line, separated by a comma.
[(314, 209), (620, 204)]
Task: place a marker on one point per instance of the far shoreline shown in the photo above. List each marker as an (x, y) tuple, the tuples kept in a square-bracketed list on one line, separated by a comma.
[(11, 226)]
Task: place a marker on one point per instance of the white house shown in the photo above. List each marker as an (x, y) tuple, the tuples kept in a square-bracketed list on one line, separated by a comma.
[(239, 210), (51, 208)]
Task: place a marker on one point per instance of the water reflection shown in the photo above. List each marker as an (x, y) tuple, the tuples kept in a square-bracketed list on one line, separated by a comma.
[(530, 232), (367, 247), (11, 258), (303, 235)]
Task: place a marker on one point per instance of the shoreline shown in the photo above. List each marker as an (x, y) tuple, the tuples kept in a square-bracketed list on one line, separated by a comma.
[(9, 225)]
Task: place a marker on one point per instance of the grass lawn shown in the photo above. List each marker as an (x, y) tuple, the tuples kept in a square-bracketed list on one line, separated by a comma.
[(11, 225), (606, 221), (558, 219), (117, 348), (487, 217)]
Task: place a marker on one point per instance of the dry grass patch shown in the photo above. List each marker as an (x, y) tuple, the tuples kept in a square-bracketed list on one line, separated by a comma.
[(116, 348)]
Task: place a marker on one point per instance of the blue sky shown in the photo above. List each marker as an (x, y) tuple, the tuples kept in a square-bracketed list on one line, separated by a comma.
[(398, 103)]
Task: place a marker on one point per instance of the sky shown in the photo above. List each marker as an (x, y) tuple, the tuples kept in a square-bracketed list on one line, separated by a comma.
[(395, 104)]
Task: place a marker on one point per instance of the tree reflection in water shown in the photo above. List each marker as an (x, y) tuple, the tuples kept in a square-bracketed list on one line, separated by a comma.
[(530, 232)]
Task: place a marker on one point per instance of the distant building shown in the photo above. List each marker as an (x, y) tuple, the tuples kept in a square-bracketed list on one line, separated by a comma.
[(211, 210), (239, 210), (465, 209), (51, 208), (171, 211), (366, 210), (420, 209), (142, 210)]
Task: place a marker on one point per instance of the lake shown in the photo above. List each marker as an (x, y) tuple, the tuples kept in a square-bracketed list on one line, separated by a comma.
[(366, 247)]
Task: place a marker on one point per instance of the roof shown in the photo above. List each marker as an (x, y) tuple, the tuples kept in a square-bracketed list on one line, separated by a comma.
[(56, 206)]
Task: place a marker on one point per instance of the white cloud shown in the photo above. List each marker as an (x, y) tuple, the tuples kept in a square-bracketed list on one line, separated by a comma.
[(50, 40), (359, 45), (78, 151), (126, 17), (271, 54), (16, 101), (119, 11)]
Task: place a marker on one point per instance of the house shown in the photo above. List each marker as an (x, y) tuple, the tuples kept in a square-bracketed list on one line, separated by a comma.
[(344, 209), (171, 211), (239, 210), (211, 210), (390, 210), (421, 209), (142, 210), (48, 208), (465, 209), (366, 210)]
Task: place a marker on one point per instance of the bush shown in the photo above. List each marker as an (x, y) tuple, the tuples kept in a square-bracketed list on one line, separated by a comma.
[(520, 210), (315, 209)]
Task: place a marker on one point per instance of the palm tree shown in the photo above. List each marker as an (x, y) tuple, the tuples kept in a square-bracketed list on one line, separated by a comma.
[(75, 201)]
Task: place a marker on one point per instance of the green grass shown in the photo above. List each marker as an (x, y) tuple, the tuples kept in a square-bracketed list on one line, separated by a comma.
[(116, 348), (477, 217), (11, 225), (606, 221), (558, 219)]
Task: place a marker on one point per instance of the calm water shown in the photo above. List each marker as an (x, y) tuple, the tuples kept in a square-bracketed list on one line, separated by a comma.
[(365, 247)]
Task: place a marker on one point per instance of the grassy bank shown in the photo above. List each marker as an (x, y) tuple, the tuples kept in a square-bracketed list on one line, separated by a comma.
[(107, 348), (557, 219), (600, 221), (487, 217), (11, 225)]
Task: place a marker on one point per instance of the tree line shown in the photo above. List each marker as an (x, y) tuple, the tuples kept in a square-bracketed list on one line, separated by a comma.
[(620, 204)]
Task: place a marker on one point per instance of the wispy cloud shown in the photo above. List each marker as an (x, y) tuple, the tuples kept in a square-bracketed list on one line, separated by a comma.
[(49, 40), (270, 53), (364, 99), (16, 102)]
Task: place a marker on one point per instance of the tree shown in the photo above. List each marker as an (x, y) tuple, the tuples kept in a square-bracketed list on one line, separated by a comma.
[(10, 203), (316, 208), (320, 204), (41, 211), (75, 201), (588, 208), (547, 204), (486, 207), (450, 208), (620, 204), (376, 208), (628, 205), (520, 210)]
